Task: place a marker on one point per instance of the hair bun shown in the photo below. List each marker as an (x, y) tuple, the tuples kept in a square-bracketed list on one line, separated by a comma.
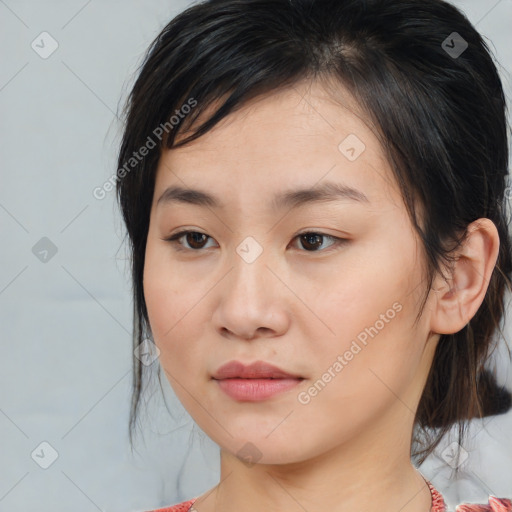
[(494, 399)]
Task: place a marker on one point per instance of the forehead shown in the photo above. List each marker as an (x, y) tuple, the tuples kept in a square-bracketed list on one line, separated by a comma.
[(298, 136)]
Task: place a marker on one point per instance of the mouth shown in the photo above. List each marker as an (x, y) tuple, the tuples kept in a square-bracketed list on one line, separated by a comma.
[(255, 382), (256, 370)]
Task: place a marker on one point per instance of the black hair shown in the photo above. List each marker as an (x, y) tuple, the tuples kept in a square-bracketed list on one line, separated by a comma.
[(428, 84)]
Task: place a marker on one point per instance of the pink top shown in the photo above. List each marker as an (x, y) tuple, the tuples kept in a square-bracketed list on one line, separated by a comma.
[(438, 505)]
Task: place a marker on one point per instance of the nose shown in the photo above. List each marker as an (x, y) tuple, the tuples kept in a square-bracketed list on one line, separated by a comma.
[(252, 300)]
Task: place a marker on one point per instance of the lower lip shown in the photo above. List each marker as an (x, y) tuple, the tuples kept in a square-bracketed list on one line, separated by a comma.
[(256, 389)]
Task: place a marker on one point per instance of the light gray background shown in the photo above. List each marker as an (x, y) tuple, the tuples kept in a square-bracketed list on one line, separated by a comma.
[(66, 323)]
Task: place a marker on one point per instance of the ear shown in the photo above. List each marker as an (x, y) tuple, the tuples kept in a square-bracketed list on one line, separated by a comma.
[(457, 300)]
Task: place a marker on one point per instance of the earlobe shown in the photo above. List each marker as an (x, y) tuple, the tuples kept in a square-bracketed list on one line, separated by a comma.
[(458, 298)]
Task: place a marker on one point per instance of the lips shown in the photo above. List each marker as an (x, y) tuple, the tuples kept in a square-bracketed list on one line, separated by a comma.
[(255, 382), (256, 370)]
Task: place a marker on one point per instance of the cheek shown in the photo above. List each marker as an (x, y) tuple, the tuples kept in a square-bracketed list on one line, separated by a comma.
[(180, 355), (365, 301), (373, 344), (363, 374), (169, 299)]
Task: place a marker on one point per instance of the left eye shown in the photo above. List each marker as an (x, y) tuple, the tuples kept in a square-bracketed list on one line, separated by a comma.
[(197, 238), (312, 239)]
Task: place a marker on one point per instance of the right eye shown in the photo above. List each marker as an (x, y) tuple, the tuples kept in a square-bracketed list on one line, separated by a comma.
[(195, 240)]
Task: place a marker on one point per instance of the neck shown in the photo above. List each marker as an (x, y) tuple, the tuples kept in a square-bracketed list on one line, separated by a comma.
[(362, 475)]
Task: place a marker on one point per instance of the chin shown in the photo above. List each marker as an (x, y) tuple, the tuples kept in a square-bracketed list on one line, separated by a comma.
[(259, 449)]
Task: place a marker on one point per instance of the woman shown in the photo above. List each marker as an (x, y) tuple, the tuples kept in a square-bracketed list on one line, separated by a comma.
[(315, 195)]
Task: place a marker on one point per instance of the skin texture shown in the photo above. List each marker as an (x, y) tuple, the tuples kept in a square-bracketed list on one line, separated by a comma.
[(300, 305)]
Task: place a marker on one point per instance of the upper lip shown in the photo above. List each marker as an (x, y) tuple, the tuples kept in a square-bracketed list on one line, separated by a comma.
[(256, 370)]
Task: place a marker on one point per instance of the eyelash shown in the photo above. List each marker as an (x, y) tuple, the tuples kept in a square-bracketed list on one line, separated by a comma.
[(174, 240)]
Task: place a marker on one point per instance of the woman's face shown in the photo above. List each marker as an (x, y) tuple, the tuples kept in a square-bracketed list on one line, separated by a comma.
[(249, 286)]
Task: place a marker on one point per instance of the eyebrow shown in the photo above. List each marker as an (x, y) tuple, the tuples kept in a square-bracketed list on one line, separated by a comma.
[(292, 198)]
